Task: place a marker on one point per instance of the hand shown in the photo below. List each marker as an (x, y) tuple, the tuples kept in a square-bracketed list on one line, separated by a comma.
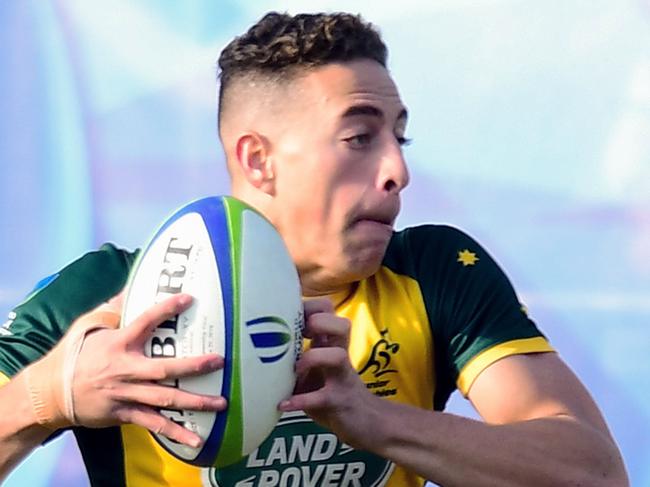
[(328, 388), (114, 382)]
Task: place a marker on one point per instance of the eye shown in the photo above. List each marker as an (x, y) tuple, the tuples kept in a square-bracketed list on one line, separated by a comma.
[(358, 141), (403, 141)]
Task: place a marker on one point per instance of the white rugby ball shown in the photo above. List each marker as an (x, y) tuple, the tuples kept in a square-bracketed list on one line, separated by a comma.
[(247, 307)]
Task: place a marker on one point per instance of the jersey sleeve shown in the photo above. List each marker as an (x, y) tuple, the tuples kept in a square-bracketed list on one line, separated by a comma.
[(474, 313), (38, 323)]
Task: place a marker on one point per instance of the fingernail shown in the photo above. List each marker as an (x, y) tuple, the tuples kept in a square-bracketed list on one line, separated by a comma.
[(184, 299), (196, 442), (284, 405), (215, 362)]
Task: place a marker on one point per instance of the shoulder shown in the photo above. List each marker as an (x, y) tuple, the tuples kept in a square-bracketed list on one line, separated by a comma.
[(108, 254), (79, 286), (430, 246), (90, 273), (429, 233), (36, 324)]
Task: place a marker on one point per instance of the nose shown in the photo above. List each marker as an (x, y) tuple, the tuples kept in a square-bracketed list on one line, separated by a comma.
[(393, 174)]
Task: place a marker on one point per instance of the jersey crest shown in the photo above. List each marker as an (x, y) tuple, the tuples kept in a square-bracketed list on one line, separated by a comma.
[(380, 366)]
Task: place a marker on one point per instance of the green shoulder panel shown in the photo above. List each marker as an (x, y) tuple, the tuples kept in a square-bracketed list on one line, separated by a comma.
[(37, 324), (470, 302)]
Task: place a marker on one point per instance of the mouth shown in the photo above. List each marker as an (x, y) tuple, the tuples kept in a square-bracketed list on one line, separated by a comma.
[(374, 221), (384, 216)]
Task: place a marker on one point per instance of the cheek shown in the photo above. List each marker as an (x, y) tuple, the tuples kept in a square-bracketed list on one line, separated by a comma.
[(315, 220), (316, 194), (301, 212)]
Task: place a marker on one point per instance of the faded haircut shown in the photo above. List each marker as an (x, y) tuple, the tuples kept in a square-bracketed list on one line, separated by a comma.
[(280, 46)]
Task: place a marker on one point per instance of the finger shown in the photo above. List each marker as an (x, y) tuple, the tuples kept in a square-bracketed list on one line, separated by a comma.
[(310, 401), (317, 305), (330, 361), (165, 397), (328, 330), (157, 423), (157, 369), (316, 366), (140, 329)]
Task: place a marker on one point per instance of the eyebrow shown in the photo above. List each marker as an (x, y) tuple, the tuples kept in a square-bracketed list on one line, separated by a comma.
[(371, 110)]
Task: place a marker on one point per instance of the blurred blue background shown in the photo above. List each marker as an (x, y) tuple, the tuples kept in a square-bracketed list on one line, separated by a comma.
[(531, 128)]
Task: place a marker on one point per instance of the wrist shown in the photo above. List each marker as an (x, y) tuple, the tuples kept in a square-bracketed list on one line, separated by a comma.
[(20, 411), (49, 381), (395, 427), (380, 419)]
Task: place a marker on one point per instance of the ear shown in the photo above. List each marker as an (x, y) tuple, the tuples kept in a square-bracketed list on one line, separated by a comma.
[(252, 151)]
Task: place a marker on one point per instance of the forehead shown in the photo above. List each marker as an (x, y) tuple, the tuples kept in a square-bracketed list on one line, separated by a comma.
[(337, 86)]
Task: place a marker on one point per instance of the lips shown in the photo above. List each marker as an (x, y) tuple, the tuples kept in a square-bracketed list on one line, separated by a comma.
[(385, 214), (374, 221)]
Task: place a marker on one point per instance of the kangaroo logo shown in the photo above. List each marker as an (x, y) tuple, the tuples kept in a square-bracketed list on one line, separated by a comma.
[(380, 356), (271, 337)]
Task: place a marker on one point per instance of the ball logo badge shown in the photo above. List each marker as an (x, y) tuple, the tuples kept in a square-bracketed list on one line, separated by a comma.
[(271, 337)]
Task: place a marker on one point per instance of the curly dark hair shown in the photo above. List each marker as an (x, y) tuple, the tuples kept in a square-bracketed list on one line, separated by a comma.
[(279, 45)]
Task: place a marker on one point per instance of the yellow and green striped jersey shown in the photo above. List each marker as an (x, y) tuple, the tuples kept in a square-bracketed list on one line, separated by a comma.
[(436, 314)]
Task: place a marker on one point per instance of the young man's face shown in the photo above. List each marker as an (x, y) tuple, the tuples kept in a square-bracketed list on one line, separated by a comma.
[(339, 170)]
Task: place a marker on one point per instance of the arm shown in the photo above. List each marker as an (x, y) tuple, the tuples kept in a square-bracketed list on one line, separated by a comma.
[(541, 428), (19, 432), (112, 382)]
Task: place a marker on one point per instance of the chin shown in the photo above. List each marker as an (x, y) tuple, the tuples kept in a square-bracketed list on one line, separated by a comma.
[(364, 262)]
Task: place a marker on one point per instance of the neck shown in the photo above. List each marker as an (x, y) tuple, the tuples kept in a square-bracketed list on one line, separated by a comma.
[(314, 285), (336, 296)]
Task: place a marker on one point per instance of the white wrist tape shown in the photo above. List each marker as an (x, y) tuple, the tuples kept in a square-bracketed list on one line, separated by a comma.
[(49, 381)]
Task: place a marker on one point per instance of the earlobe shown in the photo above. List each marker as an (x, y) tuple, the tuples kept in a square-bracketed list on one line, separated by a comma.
[(253, 156)]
